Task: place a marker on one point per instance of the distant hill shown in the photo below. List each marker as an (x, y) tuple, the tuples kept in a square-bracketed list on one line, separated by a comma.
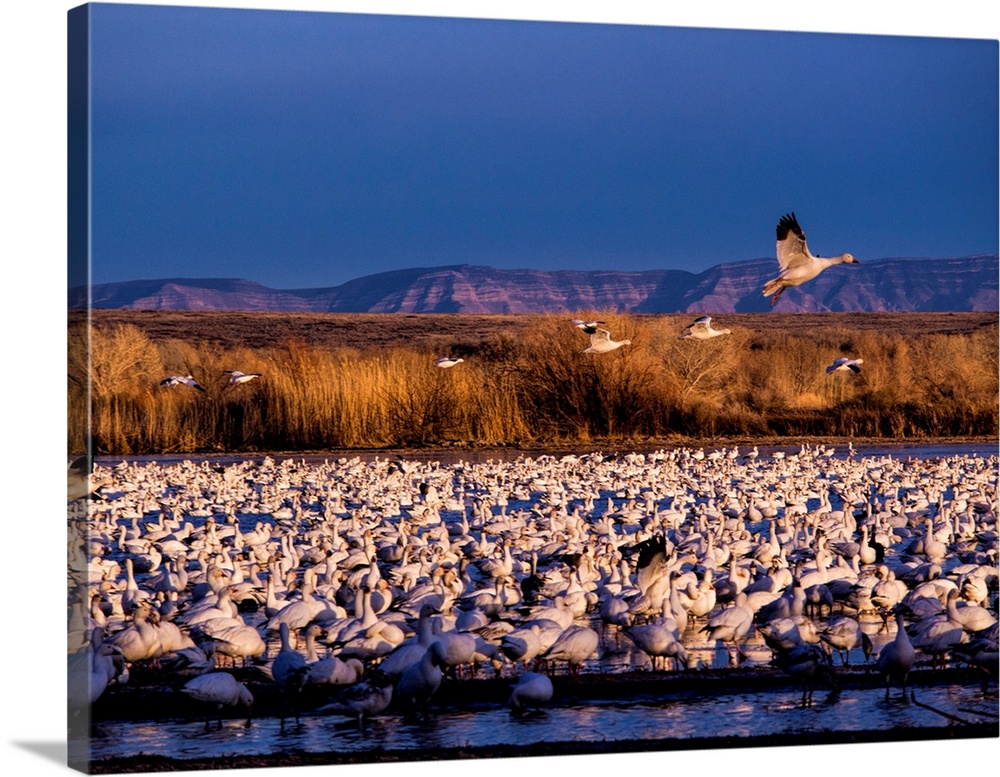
[(893, 285)]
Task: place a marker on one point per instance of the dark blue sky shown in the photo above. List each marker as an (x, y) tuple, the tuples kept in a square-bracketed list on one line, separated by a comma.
[(304, 149)]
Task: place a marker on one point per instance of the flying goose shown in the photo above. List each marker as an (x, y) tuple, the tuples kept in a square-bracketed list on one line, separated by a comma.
[(701, 329), (590, 327), (797, 264), (447, 361), (236, 377), (601, 342), (186, 380), (843, 365)]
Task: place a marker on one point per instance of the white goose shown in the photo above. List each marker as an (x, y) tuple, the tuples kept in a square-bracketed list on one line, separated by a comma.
[(701, 329), (421, 681), (844, 365), (590, 327), (182, 380), (601, 342), (236, 377), (896, 658), (797, 264), (448, 361), (329, 670), (368, 697), (222, 690), (533, 689)]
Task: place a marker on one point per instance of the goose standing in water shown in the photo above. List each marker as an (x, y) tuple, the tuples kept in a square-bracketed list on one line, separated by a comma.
[(532, 690), (844, 634), (421, 681), (731, 625), (797, 264), (895, 660), (809, 663), (368, 697), (701, 329), (222, 690), (289, 670), (574, 646)]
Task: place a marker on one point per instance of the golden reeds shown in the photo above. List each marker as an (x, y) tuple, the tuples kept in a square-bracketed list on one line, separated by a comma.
[(536, 388)]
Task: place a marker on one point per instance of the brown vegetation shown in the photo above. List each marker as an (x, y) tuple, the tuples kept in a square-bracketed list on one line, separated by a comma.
[(363, 381)]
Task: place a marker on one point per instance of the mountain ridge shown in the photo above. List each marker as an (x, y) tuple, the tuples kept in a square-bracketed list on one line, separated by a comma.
[(954, 284)]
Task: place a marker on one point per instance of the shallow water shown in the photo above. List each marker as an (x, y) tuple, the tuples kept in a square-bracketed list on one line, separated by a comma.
[(677, 717), (903, 450)]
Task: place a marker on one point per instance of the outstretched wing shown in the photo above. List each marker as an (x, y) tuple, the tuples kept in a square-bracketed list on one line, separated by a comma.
[(598, 335), (791, 247)]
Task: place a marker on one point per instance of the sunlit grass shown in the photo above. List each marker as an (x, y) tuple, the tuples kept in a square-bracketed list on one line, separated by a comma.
[(533, 388)]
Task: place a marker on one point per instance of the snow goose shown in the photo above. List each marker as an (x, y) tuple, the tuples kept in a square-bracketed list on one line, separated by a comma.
[(91, 670), (807, 662), (289, 670), (459, 647), (329, 670), (845, 365), (448, 361), (236, 377), (601, 342), (222, 690), (421, 681), (797, 264), (368, 697), (589, 327), (81, 481), (412, 650), (731, 625), (895, 659), (701, 329), (532, 690), (141, 640), (182, 380), (843, 634), (574, 646)]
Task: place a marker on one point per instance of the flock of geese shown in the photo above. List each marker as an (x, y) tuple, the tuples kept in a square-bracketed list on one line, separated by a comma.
[(376, 580), (797, 265)]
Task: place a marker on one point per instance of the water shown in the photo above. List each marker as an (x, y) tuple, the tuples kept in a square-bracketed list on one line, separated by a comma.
[(752, 714)]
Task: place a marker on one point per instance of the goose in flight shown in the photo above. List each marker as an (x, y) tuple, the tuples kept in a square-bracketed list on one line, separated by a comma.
[(179, 380), (797, 264), (447, 361), (590, 327), (601, 342), (81, 480), (701, 329), (236, 377), (843, 365)]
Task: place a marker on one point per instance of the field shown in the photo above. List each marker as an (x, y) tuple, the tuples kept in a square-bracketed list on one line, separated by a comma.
[(369, 381), (467, 331)]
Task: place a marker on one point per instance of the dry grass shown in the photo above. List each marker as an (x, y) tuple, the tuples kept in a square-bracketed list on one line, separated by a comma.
[(352, 381)]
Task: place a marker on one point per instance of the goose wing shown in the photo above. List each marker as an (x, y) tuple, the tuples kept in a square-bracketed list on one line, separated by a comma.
[(791, 246), (599, 335)]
